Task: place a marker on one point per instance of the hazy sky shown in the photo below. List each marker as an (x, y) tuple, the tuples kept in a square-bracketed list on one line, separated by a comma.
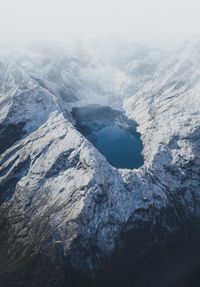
[(165, 21)]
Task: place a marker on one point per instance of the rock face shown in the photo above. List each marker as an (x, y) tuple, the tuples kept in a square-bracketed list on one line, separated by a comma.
[(64, 208)]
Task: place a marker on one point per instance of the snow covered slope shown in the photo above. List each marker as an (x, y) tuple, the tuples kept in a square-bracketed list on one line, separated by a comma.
[(61, 201)]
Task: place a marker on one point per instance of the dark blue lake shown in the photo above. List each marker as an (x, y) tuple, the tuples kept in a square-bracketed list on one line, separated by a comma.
[(113, 135)]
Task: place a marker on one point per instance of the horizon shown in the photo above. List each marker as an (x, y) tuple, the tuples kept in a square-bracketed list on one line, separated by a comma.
[(167, 23)]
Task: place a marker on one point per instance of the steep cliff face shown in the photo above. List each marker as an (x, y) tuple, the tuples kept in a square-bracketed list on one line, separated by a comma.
[(62, 203), (167, 111)]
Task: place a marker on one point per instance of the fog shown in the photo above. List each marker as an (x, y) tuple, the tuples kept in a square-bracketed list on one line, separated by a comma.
[(165, 22)]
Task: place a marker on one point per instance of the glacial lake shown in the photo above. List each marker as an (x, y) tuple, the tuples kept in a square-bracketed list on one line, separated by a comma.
[(112, 134)]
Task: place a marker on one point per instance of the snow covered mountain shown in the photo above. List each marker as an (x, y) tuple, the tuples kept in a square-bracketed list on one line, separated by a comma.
[(65, 211)]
